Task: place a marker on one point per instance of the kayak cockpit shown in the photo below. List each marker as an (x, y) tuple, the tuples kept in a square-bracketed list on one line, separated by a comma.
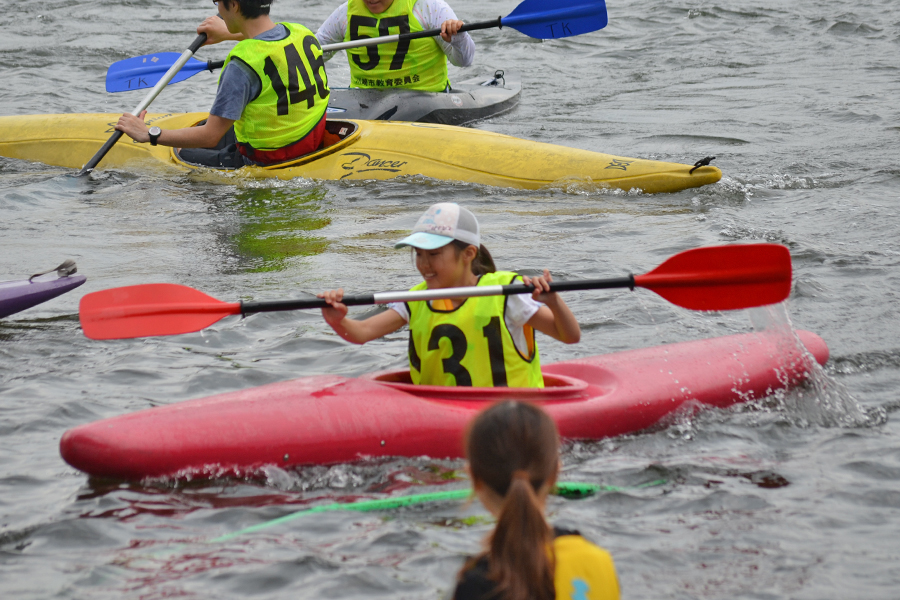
[(556, 387), (337, 135)]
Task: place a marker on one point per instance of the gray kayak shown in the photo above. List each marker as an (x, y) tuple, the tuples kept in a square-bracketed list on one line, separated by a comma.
[(466, 102)]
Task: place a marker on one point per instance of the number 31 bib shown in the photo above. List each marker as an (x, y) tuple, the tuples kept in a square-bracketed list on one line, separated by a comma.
[(470, 345)]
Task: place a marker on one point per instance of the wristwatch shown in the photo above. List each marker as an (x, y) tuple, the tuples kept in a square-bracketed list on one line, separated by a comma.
[(154, 134)]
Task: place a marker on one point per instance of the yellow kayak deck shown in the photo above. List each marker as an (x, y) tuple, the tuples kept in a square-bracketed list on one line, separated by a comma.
[(371, 150)]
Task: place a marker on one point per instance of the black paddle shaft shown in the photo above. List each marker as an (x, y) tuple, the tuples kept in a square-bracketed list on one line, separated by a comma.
[(248, 308), (471, 27)]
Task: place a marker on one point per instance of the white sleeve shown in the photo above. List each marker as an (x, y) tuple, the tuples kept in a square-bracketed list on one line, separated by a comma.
[(400, 309), (519, 309), (432, 14), (333, 30)]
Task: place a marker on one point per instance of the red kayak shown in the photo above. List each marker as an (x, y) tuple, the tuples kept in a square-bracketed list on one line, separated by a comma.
[(330, 419)]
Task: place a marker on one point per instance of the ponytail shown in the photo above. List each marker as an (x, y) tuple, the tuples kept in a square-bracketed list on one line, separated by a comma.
[(518, 549), (513, 449), (484, 262)]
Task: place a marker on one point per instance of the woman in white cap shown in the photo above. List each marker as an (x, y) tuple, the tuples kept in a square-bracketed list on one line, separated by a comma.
[(487, 341)]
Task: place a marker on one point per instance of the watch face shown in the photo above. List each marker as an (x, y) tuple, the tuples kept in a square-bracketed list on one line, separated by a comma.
[(155, 130)]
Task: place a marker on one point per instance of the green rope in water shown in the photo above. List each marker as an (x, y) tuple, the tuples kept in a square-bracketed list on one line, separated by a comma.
[(564, 489)]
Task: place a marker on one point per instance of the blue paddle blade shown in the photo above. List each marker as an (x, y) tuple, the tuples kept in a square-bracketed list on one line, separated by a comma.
[(143, 72), (566, 18)]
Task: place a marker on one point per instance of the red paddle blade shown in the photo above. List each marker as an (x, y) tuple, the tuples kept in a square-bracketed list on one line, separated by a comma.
[(723, 277), (148, 310)]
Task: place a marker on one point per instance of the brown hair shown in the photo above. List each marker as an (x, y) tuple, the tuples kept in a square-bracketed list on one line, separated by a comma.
[(483, 263), (513, 448), (251, 9)]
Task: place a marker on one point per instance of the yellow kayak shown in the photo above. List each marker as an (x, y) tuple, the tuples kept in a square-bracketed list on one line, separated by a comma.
[(364, 150)]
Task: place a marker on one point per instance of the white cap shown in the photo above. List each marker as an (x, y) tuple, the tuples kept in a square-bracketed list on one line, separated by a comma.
[(440, 225)]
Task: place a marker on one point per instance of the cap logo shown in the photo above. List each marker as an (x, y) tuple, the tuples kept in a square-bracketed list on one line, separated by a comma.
[(445, 221), (440, 222)]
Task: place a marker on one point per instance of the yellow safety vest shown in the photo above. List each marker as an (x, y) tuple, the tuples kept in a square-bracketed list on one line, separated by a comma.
[(470, 345), (412, 64), (583, 571), (294, 93)]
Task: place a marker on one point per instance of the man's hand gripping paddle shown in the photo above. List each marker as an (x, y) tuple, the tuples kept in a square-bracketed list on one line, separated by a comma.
[(168, 74)]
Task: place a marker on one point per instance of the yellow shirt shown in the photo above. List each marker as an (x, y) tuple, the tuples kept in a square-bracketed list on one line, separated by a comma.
[(294, 94), (584, 571)]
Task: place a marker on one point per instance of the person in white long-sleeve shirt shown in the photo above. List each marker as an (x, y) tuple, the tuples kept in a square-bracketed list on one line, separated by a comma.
[(418, 64)]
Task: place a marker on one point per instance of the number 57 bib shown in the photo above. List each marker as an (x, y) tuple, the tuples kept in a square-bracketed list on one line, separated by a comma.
[(411, 64)]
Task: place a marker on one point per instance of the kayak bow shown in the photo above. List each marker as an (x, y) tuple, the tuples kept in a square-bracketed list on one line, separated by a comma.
[(16, 296)]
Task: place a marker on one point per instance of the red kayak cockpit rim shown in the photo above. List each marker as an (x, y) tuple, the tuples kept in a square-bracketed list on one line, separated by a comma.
[(556, 387)]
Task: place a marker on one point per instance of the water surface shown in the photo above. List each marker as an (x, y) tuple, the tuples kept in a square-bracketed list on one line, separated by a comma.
[(796, 496)]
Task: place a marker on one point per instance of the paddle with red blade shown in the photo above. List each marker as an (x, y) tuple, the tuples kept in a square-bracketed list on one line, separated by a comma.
[(711, 278)]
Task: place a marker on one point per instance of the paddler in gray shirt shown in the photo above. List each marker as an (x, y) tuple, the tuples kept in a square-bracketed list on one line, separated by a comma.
[(272, 122)]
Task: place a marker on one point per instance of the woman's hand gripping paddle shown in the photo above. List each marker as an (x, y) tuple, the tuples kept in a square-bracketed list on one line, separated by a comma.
[(169, 73), (541, 19), (712, 278)]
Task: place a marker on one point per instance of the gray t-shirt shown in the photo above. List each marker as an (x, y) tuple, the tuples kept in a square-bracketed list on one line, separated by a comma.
[(239, 84)]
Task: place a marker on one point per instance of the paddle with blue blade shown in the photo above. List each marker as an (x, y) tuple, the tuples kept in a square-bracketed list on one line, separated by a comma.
[(170, 72), (711, 278), (534, 18), (142, 72)]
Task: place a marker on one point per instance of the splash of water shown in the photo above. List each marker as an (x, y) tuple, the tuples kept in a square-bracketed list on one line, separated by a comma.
[(820, 400)]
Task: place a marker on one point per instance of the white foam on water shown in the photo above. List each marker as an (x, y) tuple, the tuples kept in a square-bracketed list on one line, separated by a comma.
[(821, 400)]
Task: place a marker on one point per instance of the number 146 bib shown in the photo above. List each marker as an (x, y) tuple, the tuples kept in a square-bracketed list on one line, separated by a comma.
[(294, 92)]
